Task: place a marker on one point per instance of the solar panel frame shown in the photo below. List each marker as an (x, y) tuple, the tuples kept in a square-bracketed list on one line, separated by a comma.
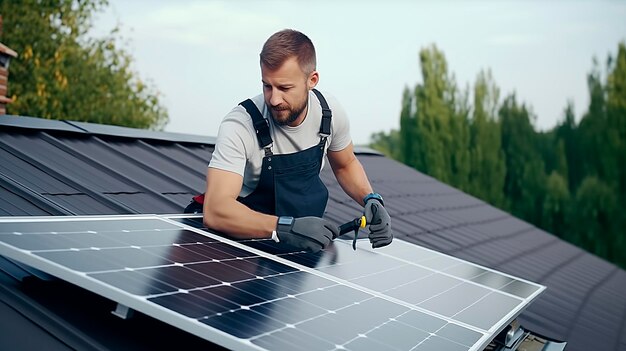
[(215, 335)]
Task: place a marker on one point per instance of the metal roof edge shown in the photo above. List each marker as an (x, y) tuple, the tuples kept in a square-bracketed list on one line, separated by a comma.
[(101, 129), (37, 123), (105, 129), (365, 150)]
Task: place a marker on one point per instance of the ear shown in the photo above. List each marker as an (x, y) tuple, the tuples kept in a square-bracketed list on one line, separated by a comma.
[(313, 79)]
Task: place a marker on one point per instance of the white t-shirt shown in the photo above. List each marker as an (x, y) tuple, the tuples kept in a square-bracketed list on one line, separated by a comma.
[(237, 149)]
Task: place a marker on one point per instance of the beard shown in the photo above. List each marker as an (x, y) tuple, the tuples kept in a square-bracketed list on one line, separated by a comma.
[(284, 114)]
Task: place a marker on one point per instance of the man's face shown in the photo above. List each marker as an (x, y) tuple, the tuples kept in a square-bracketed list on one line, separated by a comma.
[(286, 91)]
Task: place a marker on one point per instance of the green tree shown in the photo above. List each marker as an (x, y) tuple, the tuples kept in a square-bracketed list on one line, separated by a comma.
[(616, 118), (434, 133), (566, 132), (524, 184), (487, 170), (432, 116), (601, 134), (597, 141), (388, 144), (593, 225), (560, 160), (61, 73), (556, 205), (409, 147), (459, 147)]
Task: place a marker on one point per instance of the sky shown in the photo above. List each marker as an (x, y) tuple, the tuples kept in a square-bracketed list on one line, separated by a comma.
[(202, 56)]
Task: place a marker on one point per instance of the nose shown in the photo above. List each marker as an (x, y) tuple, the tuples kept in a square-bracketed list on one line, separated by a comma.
[(275, 97)]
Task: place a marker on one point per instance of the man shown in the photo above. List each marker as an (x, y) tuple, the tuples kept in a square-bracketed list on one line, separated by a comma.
[(263, 179)]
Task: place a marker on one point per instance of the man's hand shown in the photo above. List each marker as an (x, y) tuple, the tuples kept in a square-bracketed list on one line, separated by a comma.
[(307, 233), (379, 222)]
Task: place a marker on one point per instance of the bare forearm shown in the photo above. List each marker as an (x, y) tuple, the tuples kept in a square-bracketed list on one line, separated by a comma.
[(237, 220), (223, 212), (353, 180)]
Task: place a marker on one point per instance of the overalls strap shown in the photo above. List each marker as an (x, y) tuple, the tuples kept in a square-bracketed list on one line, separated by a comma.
[(261, 126), (327, 114)]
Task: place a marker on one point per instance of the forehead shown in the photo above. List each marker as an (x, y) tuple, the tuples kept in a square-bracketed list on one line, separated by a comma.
[(288, 72)]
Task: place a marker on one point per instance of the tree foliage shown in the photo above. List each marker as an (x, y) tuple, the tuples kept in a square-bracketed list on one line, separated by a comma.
[(555, 204), (525, 175), (570, 180), (435, 130), (487, 169), (61, 73)]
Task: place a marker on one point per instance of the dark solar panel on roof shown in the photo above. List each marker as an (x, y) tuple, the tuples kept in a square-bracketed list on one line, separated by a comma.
[(240, 297)]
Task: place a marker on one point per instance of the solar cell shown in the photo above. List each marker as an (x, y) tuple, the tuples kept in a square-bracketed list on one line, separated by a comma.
[(442, 285), (252, 294)]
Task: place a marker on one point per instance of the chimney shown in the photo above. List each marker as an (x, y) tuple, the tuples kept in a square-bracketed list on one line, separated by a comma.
[(6, 54)]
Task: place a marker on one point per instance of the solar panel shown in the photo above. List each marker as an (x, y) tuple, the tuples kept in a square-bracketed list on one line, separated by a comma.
[(252, 295)]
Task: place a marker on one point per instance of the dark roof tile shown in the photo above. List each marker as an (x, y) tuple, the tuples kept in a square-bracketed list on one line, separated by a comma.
[(12, 204), (81, 203), (136, 167), (150, 203), (29, 175), (62, 163)]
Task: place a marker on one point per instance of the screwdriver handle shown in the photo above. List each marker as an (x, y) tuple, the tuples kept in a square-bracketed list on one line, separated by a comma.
[(353, 225)]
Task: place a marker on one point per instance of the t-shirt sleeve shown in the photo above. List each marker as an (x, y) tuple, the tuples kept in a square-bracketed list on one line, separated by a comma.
[(340, 127), (233, 141)]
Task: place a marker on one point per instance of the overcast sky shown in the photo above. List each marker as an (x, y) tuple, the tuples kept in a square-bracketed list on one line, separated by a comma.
[(203, 55)]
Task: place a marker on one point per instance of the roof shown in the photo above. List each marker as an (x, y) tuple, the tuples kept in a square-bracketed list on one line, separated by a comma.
[(7, 51), (72, 168)]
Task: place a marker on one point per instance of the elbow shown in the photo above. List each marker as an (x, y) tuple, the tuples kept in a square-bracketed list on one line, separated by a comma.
[(208, 214), (214, 219), (210, 218), (206, 220)]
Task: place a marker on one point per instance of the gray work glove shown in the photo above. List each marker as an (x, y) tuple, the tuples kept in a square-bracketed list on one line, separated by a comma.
[(379, 221), (306, 233)]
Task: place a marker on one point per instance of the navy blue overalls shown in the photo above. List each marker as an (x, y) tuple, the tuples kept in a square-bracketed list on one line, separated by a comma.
[(289, 184)]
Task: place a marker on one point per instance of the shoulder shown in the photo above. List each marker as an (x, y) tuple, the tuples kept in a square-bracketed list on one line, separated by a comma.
[(239, 119), (340, 125), (333, 103), (329, 97), (240, 114), (236, 131), (236, 140)]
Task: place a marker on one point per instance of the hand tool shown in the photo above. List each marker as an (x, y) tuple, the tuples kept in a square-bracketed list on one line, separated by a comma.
[(353, 225)]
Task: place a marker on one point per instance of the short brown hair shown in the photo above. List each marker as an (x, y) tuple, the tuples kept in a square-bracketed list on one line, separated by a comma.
[(286, 44)]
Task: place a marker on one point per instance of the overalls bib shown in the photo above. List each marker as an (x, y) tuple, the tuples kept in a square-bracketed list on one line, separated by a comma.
[(289, 184)]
